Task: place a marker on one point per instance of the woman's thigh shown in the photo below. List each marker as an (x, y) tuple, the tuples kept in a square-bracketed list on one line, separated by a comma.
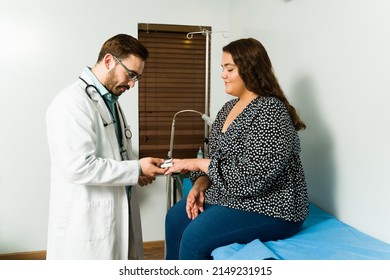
[(219, 226)]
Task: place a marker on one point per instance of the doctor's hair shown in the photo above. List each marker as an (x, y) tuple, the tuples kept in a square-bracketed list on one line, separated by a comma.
[(123, 45), (255, 69)]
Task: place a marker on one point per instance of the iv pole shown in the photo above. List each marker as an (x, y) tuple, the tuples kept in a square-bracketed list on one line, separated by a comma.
[(207, 33), (206, 129)]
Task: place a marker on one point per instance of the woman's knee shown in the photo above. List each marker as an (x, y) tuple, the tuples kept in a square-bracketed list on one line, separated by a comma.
[(198, 239), (194, 247)]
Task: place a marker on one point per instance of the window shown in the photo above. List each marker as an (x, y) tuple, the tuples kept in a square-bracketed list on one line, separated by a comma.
[(173, 80)]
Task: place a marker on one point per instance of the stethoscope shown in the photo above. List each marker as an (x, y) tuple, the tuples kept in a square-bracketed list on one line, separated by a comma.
[(89, 87)]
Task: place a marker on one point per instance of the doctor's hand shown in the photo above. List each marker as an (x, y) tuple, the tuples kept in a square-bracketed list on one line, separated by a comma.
[(145, 180), (149, 170)]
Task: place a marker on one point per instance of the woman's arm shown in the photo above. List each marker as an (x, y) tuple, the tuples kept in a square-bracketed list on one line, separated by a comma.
[(186, 165)]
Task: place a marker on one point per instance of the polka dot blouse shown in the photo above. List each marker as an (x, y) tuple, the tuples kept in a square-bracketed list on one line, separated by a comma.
[(255, 165)]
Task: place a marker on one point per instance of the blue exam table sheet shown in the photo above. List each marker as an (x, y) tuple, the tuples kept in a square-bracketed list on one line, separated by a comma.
[(323, 237)]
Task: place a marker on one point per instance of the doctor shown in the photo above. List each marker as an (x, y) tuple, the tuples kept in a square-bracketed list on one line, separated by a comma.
[(94, 212)]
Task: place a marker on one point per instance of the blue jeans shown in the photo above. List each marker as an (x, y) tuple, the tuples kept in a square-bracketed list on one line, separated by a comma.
[(218, 226)]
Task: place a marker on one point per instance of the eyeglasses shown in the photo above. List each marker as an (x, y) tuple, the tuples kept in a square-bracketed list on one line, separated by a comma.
[(132, 75)]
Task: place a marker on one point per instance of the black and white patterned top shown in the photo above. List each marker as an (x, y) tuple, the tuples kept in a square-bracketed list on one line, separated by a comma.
[(255, 165)]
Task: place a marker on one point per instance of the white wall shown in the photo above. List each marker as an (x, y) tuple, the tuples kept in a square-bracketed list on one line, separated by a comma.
[(330, 56), (44, 46), (332, 59)]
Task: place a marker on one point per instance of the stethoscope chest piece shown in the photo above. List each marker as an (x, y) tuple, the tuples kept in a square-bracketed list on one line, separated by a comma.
[(90, 87), (128, 133)]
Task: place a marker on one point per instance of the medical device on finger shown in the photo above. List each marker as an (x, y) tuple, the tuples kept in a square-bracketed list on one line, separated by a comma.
[(167, 163)]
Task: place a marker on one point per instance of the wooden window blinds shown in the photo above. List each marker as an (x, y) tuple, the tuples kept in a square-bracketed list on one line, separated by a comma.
[(173, 80)]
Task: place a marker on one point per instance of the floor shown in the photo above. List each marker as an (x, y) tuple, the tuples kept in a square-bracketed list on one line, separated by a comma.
[(154, 250)]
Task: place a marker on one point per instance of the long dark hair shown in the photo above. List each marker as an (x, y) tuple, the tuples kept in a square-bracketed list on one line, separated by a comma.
[(255, 69)]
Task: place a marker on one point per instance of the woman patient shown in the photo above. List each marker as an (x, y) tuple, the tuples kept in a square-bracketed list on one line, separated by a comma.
[(252, 186)]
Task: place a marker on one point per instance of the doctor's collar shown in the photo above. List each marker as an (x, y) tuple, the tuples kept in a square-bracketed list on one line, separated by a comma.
[(100, 87)]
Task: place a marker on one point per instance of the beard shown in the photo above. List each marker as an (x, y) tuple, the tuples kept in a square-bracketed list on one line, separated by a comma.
[(112, 84)]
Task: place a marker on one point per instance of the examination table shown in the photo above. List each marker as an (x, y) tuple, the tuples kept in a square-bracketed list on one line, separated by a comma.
[(323, 237)]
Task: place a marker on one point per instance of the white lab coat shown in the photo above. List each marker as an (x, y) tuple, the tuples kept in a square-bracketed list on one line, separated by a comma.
[(89, 210)]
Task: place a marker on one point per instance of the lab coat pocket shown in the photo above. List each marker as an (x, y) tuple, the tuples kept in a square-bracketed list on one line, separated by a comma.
[(91, 221)]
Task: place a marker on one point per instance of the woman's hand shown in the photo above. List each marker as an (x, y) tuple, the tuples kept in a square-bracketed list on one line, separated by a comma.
[(181, 166), (195, 198), (195, 201), (185, 165)]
